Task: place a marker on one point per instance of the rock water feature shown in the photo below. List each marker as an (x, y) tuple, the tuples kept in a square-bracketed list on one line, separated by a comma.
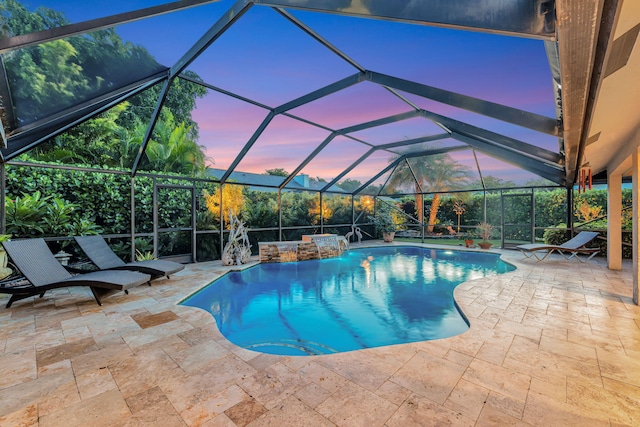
[(288, 252), (312, 246), (328, 245)]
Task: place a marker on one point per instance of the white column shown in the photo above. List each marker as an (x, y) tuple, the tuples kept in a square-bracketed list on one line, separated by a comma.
[(614, 221), (636, 193)]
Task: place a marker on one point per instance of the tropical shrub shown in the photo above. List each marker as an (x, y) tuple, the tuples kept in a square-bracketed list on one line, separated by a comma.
[(556, 236)]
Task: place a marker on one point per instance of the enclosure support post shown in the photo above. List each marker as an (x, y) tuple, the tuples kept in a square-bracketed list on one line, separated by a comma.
[(635, 160), (484, 203), (422, 221), (614, 220), (279, 214), (321, 214), (221, 222), (353, 213), (132, 221), (3, 204), (570, 211), (155, 217), (533, 215), (194, 231)]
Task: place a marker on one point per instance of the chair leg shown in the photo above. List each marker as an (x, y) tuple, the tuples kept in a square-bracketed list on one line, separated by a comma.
[(11, 301), (545, 255), (527, 254), (96, 295), (18, 297)]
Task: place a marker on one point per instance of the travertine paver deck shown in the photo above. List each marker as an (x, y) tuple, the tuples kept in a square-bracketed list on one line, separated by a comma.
[(555, 343)]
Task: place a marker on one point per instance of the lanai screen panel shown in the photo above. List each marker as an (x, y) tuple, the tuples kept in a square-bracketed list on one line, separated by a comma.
[(225, 125), (354, 105), (284, 144), (338, 155), (498, 68), (270, 61), (267, 59), (427, 146), (499, 174), (51, 77), (530, 136), (398, 131), (369, 168)]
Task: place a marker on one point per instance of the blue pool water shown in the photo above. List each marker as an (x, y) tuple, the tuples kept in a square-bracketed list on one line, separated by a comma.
[(365, 298)]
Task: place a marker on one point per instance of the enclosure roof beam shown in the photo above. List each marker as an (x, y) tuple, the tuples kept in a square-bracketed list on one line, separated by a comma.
[(310, 157), (239, 8), (409, 142), (322, 92), (407, 156), (353, 165), (259, 104), (513, 144), (302, 26), (247, 146), (152, 123), (490, 109), (380, 122), (35, 133), (37, 37), (225, 92), (554, 174), (3, 137), (382, 147), (515, 17), (379, 174), (413, 174)]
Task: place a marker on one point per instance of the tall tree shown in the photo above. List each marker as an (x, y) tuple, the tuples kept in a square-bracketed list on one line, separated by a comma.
[(431, 174)]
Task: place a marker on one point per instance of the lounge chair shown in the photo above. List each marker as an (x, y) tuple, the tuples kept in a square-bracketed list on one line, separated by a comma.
[(36, 262), (99, 252), (570, 249)]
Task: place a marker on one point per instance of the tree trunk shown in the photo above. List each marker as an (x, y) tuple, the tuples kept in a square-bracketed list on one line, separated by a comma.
[(433, 212), (419, 207)]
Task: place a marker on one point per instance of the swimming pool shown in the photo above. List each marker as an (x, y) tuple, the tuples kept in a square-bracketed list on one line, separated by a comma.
[(365, 298)]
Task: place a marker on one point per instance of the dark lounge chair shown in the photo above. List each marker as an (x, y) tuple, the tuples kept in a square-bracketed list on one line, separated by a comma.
[(572, 248), (36, 262), (99, 252)]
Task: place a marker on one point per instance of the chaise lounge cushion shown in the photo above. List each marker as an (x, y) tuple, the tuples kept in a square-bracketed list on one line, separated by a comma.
[(99, 252)]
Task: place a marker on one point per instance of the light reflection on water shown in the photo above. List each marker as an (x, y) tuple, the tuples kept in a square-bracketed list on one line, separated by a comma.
[(365, 298)]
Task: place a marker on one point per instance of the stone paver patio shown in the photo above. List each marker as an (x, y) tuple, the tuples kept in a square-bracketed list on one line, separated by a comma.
[(554, 343)]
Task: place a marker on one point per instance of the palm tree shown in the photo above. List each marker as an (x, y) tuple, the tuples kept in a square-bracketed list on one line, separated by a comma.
[(434, 174), (175, 150)]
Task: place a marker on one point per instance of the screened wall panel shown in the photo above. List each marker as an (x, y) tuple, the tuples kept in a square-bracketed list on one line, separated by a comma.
[(336, 209)]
